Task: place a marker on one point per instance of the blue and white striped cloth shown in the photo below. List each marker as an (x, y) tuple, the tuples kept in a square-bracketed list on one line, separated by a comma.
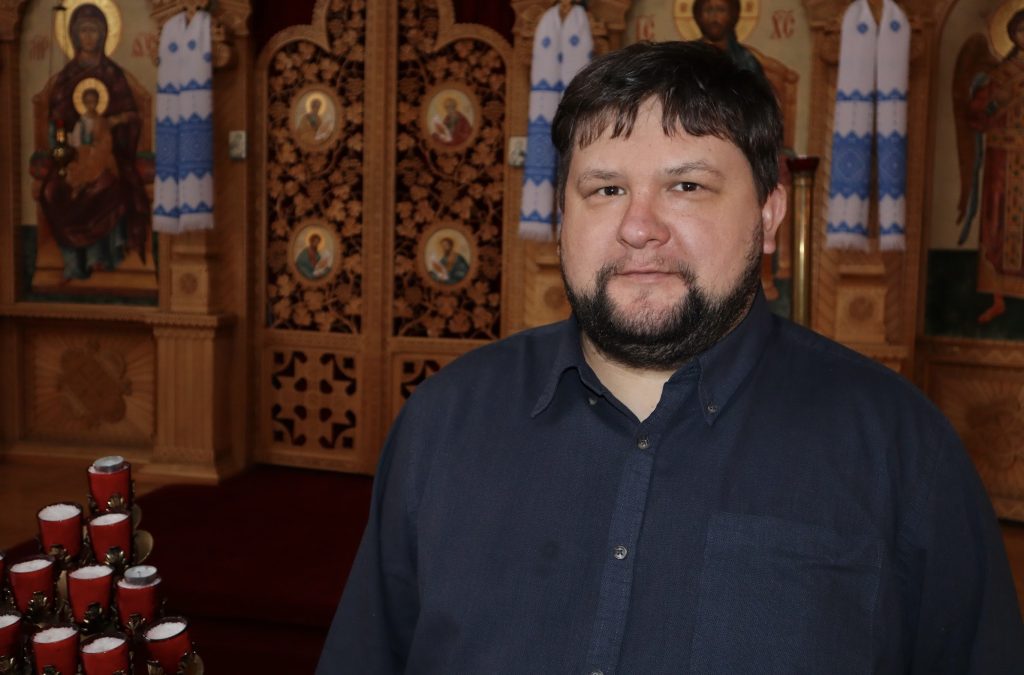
[(871, 106), (560, 50), (183, 193)]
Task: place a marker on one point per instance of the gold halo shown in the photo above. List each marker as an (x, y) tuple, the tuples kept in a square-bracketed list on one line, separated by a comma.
[(682, 11), (998, 39), (316, 96), (62, 24), (79, 93)]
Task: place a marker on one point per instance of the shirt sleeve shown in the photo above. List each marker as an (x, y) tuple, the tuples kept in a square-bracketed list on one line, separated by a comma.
[(968, 620), (374, 623)]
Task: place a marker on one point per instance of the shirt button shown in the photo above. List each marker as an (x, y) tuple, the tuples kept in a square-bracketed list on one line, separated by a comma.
[(620, 552), (597, 672), (643, 443), (592, 400), (712, 408)]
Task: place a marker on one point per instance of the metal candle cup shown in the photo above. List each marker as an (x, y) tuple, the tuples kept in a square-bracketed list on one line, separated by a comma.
[(138, 593), (56, 646), (61, 525), (35, 574), (109, 476), (88, 585), (10, 632), (109, 531), (105, 654), (168, 641)]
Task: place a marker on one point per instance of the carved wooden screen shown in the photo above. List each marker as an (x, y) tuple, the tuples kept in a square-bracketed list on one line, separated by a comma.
[(381, 132)]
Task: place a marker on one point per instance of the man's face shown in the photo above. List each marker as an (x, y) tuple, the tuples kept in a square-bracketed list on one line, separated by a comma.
[(716, 19), (91, 99), (661, 235)]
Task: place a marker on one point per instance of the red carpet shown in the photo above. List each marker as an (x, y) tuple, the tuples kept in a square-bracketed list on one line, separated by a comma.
[(258, 563)]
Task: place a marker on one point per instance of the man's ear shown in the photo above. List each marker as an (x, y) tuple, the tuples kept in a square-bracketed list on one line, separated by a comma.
[(772, 213)]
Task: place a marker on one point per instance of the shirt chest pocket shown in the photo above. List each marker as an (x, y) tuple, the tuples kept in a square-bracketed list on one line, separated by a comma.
[(784, 597)]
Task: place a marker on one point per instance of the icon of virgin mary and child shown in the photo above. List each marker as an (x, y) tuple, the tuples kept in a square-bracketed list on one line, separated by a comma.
[(97, 208)]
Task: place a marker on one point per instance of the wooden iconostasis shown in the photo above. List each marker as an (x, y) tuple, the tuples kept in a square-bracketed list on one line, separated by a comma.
[(366, 224)]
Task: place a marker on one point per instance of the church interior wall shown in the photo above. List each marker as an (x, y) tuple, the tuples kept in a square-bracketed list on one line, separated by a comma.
[(191, 359)]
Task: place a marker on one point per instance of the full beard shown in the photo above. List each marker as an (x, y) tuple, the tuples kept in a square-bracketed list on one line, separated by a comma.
[(665, 341)]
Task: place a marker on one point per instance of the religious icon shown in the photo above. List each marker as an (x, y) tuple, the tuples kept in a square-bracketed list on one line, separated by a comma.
[(447, 255), (316, 118), (314, 251), (716, 20), (94, 210), (450, 116), (988, 102)]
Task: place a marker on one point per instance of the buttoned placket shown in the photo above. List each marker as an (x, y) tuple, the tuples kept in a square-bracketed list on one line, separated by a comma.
[(624, 531), (617, 576)]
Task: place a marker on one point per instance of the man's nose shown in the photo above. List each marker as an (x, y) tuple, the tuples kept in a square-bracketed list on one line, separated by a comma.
[(641, 224)]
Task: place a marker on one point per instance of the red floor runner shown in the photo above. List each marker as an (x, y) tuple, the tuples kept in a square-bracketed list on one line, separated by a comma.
[(258, 563)]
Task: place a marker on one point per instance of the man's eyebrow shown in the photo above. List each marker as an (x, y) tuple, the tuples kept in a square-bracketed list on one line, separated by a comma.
[(597, 174), (698, 166)]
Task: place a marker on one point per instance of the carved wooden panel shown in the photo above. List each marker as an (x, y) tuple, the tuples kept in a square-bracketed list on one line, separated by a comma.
[(408, 371), (980, 387), (313, 404), (314, 177), (449, 181), (89, 386), (382, 234)]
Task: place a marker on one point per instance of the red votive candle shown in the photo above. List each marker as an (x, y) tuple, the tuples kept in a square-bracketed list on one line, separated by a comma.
[(109, 476), (10, 632), (31, 575), (168, 641), (138, 593), (61, 524), (105, 654), (108, 531), (87, 585), (56, 646)]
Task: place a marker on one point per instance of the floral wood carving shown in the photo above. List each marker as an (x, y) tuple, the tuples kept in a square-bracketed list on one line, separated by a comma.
[(93, 384), (449, 174), (308, 182)]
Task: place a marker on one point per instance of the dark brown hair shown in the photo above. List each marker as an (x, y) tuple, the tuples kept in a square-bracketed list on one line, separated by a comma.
[(700, 90)]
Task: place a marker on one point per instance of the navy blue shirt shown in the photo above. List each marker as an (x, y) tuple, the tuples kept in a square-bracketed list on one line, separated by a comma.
[(789, 507)]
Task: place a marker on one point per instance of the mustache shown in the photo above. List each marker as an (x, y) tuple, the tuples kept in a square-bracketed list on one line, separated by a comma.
[(652, 264)]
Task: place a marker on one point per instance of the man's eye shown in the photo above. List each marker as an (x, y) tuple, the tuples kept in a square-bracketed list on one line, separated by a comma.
[(687, 186), (609, 191)]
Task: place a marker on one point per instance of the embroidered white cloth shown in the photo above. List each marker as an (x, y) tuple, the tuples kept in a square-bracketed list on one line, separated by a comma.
[(560, 50), (871, 105), (183, 193)]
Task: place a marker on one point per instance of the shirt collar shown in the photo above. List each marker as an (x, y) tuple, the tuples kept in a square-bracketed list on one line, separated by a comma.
[(723, 367), (569, 355)]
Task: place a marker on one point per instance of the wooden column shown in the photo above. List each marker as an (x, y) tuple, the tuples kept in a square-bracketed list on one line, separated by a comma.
[(201, 343)]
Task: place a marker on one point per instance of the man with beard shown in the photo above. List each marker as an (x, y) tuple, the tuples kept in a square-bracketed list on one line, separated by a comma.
[(673, 480)]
